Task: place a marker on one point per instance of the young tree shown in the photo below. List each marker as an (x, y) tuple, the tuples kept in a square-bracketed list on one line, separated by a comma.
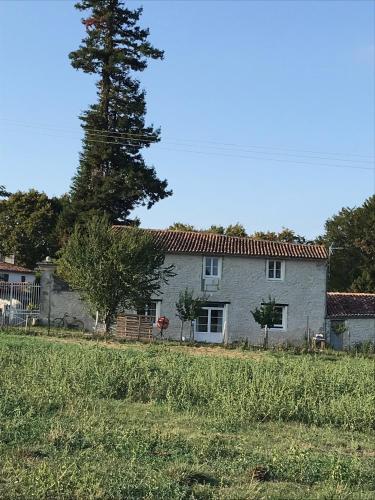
[(111, 270), (112, 176), (188, 308), (27, 226), (266, 316)]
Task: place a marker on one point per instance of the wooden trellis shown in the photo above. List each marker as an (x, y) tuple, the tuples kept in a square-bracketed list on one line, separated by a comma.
[(134, 327)]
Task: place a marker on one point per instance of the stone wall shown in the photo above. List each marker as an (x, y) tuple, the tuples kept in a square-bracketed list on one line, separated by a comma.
[(357, 330), (244, 286), (56, 299)]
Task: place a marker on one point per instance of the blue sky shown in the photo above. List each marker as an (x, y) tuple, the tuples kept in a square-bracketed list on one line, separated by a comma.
[(256, 101)]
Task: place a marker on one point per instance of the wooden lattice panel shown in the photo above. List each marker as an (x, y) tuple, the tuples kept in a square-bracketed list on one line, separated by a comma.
[(134, 327)]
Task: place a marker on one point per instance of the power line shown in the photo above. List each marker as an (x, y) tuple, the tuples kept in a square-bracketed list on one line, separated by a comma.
[(91, 134), (143, 138), (308, 164), (237, 156)]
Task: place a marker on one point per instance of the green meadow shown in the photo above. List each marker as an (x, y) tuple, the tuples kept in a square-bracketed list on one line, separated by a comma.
[(80, 420)]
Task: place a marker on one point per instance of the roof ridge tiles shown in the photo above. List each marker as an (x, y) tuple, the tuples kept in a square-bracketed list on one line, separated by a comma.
[(202, 242)]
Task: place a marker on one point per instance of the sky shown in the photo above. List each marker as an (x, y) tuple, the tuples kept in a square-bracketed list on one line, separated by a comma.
[(266, 108)]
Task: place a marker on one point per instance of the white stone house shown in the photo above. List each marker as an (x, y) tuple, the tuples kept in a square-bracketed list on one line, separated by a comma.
[(350, 318), (11, 273), (236, 275)]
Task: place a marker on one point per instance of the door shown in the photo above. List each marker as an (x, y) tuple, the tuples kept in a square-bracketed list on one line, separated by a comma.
[(209, 326), (337, 335)]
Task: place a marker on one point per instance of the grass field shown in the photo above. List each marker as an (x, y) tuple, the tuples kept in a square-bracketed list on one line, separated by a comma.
[(81, 420)]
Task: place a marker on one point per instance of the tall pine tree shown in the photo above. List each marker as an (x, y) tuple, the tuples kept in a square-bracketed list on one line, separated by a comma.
[(112, 176)]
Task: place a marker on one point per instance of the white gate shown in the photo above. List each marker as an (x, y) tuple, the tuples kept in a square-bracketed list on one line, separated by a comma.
[(19, 303)]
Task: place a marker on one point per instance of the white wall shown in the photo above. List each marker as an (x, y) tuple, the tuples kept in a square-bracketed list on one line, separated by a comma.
[(16, 277), (358, 330), (244, 285)]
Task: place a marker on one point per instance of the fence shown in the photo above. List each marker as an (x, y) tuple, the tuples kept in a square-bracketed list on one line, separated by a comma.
[(134, 327), (19, 303)]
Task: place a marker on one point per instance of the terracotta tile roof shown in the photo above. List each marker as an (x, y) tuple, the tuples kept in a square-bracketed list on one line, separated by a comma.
[(349, 305), (5, 267), (207, 243)]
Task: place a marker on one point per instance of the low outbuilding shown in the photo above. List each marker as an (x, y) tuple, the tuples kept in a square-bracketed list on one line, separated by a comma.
[(350, 319)]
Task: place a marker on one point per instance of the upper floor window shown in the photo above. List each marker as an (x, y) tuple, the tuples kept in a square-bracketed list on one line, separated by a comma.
[(212, 267), (275, 269)]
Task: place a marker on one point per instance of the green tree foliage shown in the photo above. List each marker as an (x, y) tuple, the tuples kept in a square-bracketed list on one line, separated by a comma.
[(112, 270), (180, 226), (112, 176), (27, 226), (266, 314), (235, 230), (188, 307), (285, 236), (3, 192), (231, 230), (216, 229), (352, 235)]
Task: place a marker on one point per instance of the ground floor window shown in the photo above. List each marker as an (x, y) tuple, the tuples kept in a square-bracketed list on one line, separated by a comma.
[(281, 311), (4, 277), (152, 310), (210, 320)]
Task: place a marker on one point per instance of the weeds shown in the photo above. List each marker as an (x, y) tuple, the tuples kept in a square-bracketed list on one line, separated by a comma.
[(81, 421)]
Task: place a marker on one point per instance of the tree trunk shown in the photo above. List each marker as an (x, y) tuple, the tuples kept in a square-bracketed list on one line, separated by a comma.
[(107, 323), (182, 331), (265, 343)]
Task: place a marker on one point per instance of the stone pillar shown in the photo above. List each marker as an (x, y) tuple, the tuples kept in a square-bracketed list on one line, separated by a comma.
[(47, 269)]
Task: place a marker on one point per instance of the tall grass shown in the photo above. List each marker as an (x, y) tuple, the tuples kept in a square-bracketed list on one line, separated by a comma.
[(233, 392)]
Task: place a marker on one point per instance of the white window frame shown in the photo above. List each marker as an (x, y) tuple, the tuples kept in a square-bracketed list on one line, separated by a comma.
[(157, 310), (284, 319), (219, 267), (209, 309), (282, 269)]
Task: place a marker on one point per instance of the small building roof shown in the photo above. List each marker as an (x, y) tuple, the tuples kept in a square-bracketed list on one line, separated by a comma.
[(6, 267), (350, 305), (191, 242)]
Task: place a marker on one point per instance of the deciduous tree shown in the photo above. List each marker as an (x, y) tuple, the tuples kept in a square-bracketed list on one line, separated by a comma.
[(188, 307), (112, 270), (351, 234), (27, 226), (266, 316), (180, 226)]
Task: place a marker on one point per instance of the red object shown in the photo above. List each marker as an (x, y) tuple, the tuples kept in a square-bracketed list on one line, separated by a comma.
[(163, 323)]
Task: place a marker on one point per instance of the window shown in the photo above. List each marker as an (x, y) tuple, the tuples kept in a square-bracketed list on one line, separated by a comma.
[(212, 267), (23, 279), (210, 320), (281, 317), (275, 269), (151, 310), (4, 277)]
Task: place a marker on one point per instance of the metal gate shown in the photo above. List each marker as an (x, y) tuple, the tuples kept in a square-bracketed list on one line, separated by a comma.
[(19, 303)]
